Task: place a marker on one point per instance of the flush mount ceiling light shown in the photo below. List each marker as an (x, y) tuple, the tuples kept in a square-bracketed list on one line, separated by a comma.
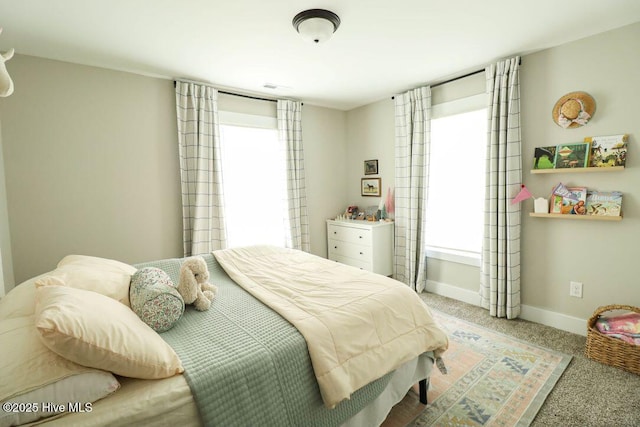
[(316, 25)]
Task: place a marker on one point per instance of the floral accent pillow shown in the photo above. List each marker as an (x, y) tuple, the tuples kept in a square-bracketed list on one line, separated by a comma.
[(154, 298)]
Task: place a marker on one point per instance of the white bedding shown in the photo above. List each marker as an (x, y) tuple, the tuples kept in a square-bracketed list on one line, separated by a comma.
[(358, 325)]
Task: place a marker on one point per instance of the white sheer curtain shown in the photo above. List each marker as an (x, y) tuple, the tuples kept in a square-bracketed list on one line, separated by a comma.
[(500, 271), (412, 130), (200, 168), (289, 114)]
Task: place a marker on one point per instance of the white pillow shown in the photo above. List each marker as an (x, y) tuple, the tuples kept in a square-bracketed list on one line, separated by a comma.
[(96, 331), (104, 276), (31, 373)]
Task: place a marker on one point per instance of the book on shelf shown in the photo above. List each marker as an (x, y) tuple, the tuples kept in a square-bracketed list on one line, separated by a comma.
[(573, 155), (555, 204), (572, 204), (604, 203), (544, 157), (608, 151)]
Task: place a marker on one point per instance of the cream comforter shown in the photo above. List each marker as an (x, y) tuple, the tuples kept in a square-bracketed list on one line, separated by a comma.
[(358, 325)]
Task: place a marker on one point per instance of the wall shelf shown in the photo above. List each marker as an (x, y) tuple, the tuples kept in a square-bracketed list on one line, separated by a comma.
[(578, 217), (578, 170)]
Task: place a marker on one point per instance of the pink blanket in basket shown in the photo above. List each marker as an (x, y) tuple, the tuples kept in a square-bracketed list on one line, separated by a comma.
[(626, 327)]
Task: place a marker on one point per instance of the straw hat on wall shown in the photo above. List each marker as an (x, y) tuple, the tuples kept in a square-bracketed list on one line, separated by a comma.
[(573, 110)]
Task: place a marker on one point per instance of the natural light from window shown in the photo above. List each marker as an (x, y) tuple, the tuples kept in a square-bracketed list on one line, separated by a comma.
[(253, 172), (455, 198)]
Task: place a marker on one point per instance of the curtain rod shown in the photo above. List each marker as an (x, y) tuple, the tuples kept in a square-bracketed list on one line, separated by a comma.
[(460, 77), (225, 92), (452, 80), (473, 73), (247, 96)]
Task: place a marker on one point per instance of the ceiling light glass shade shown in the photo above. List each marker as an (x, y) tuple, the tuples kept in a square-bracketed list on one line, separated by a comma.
[(316, 30), (316, 25)]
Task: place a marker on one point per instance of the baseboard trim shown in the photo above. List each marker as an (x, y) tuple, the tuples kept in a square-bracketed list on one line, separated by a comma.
[(533, 314), (454, 292)]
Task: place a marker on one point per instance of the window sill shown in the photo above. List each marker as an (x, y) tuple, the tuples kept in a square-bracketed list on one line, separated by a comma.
[(461, 257)]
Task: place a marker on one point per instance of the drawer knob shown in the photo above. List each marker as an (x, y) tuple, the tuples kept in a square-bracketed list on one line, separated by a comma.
[(335, 247), (335, 232), (360, 253), (360, 237)]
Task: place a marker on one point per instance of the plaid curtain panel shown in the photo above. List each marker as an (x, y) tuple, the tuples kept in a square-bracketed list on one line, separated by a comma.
[(412, 139), (289, 115), (200, 168), (500, 266)]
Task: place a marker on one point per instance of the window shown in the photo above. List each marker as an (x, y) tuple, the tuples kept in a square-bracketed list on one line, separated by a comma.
[(253, 174), (455, 198)]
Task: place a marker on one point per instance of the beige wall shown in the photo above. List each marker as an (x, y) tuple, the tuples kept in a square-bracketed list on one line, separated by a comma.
[(91, 165), (599, 254), (554, 252), (324, 135), (369, 139)]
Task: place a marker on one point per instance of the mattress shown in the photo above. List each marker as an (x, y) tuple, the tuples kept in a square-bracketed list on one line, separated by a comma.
[(169, 402)]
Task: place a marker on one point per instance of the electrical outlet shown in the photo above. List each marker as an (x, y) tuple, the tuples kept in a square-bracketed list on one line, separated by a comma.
[(575, 289)]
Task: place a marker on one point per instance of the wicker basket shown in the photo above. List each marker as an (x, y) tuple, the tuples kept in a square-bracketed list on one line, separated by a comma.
[(609, 350)]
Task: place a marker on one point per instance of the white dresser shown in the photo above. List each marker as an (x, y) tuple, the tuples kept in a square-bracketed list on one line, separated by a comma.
[(364, 244)]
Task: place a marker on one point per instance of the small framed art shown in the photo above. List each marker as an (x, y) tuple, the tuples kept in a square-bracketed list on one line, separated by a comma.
[(371, 167), (370, 186)]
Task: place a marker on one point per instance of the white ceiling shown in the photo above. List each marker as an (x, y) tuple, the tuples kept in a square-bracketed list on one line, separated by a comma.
[(382, 47)]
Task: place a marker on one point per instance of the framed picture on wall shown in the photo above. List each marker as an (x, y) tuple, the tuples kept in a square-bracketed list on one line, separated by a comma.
[(370, 186), (371, 167)]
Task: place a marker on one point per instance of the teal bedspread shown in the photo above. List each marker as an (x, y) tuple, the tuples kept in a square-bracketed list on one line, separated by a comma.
[(247, 366)]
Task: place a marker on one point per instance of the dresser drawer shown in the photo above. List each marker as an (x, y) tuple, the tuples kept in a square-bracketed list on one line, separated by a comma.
[(362, 265), (350, 250), (350, 234)]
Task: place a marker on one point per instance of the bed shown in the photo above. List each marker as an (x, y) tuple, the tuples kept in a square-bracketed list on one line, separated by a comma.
[(256, 368)]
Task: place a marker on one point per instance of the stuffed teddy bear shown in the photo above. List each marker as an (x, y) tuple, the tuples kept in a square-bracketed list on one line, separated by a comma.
[(193, 285)]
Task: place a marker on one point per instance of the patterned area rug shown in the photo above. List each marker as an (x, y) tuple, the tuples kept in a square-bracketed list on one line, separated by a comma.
[(492, 380)]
